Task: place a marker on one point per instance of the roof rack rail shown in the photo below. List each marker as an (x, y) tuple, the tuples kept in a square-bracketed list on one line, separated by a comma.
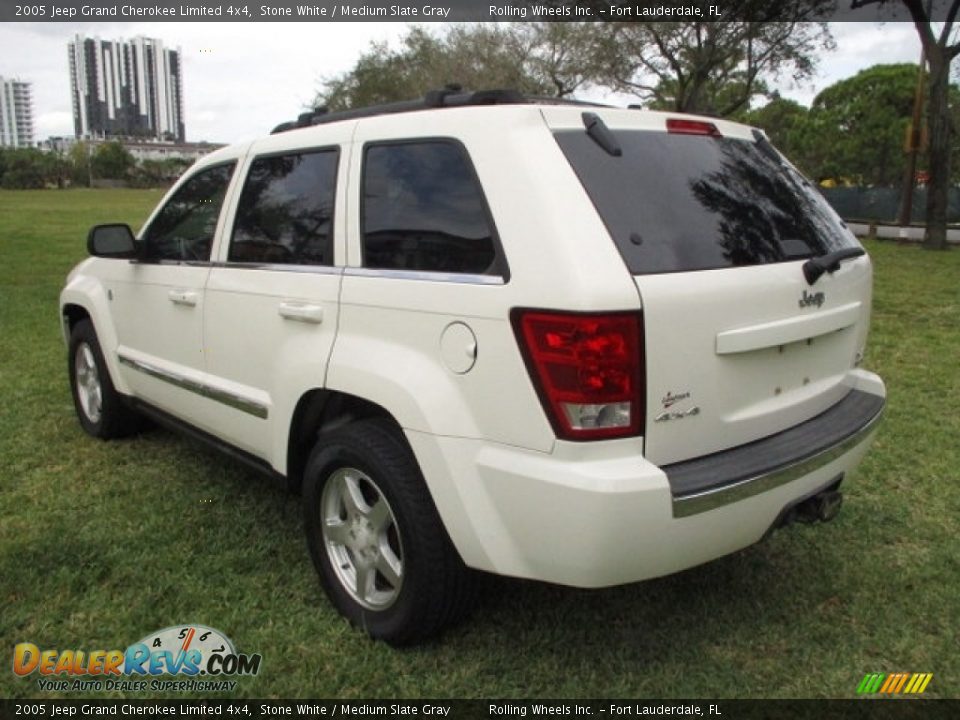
[(450, 96)]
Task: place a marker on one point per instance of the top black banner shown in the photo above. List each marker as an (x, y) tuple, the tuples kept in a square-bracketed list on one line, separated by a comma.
[(97, 11)]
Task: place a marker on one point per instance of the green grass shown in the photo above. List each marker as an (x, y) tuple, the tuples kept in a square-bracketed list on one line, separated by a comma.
[(101, 543)]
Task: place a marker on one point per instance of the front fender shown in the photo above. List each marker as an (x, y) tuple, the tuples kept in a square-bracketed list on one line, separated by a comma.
[(87, 292)]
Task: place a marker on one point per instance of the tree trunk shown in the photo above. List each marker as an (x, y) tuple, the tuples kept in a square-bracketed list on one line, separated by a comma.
[(938, 130)]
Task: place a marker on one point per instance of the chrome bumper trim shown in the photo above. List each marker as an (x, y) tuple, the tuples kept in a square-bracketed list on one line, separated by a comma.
[(696, 503)]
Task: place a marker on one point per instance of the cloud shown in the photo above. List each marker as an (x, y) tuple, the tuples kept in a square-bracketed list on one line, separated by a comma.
[(51, 124)]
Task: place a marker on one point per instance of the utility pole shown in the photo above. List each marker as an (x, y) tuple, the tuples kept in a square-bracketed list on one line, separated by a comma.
[(912, 148), (912, 145)]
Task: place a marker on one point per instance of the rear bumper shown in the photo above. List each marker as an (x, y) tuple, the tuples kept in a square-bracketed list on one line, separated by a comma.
[(599, 514), (726, 477)]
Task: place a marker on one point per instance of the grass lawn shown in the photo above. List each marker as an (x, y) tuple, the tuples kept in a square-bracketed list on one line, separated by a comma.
[(102, 543)]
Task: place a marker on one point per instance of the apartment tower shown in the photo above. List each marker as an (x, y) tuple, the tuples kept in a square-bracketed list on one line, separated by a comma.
[(126, 88), (16, 113)]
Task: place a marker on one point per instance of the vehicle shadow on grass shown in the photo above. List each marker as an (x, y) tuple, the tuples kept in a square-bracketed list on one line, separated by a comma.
[(761, 600), (760, 597)]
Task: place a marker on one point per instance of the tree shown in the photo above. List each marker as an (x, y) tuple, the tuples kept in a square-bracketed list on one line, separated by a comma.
[(784, 122), (553, 59), (714, 68), (79, 159), (60, 167), (157, 173), (856, 126), (485, 56), (940, 48), (111, 160), (562, 55), (27, 168), (725, 94)]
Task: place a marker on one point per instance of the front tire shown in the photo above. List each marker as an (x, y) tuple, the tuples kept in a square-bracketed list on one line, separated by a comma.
[(383, 555), (100, 408)]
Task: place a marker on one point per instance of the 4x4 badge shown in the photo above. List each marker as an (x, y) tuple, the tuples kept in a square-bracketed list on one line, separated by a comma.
[(808, 299), (669, 400), (677, 415)]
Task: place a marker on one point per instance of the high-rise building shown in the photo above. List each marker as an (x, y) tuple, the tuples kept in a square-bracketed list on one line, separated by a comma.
[(16, 113), (126, 88)]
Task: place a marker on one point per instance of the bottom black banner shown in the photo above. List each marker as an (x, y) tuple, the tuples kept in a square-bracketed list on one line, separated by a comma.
[(895, 709)]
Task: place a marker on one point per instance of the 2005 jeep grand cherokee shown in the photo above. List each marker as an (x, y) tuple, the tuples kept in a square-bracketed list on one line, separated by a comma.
[(556, 341)]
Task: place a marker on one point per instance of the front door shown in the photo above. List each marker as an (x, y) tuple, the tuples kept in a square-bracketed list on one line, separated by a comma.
[(157, 300)]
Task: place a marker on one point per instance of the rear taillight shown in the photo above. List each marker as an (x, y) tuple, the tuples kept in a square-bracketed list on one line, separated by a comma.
[(588, 370), (682, 126)]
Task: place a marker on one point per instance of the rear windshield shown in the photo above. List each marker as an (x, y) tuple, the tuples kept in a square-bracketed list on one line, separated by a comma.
[(677, 203)]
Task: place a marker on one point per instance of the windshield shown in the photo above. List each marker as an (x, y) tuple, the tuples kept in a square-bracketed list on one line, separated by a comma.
[(677, 203)]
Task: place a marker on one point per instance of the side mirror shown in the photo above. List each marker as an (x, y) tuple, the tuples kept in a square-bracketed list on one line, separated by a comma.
[(111, 241)]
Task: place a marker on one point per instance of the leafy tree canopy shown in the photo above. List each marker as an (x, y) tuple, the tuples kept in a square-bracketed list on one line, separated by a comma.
[(27, 168), (715, 68), (854, 129), (784, 122), (111, 160), (709, 67), (537, 58), (865, 118)]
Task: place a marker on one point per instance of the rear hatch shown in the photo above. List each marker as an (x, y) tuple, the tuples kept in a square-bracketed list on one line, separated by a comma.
[(715, 226)]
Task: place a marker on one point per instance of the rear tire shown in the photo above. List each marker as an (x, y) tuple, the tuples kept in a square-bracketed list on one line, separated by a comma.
[(383, 555), (100, 408)]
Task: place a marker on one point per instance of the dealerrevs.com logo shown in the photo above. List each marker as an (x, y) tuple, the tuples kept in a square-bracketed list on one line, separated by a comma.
[(200, 657)]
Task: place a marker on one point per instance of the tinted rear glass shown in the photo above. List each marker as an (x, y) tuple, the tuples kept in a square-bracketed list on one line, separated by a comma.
[(682, 202), (285, 214), (423, 210)]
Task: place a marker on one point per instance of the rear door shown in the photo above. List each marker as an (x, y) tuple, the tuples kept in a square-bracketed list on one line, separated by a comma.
[(715, 227)]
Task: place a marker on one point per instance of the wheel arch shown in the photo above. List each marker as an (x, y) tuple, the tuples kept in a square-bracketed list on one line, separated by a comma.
[(320, 410), (71, 314), (84, 297)]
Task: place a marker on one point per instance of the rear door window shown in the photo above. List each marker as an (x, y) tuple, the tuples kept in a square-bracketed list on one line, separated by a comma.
[(285, 213), (677, 203)]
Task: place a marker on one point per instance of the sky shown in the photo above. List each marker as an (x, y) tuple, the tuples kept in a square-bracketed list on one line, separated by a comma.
[(242, 79)]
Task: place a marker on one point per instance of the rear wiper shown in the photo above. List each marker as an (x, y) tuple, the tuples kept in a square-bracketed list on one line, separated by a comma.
[(817, 266), (599, 132), (763, 144)]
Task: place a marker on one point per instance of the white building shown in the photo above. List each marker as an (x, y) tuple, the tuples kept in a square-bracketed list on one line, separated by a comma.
[(140, 149), (126, 88), (16, 113)]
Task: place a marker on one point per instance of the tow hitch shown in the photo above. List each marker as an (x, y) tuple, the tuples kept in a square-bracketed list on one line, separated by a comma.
[(822, 506)]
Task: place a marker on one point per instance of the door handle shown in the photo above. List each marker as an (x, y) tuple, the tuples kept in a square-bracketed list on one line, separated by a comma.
[(302, 312), (183, 297)]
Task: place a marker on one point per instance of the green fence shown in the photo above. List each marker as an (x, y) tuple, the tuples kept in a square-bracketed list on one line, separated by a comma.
[(883, 204)]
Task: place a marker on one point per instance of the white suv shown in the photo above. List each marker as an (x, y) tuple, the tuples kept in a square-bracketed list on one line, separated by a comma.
[(555, 341)]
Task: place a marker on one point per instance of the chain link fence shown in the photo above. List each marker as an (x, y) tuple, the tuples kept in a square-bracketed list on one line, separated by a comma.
[(882, 205)]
